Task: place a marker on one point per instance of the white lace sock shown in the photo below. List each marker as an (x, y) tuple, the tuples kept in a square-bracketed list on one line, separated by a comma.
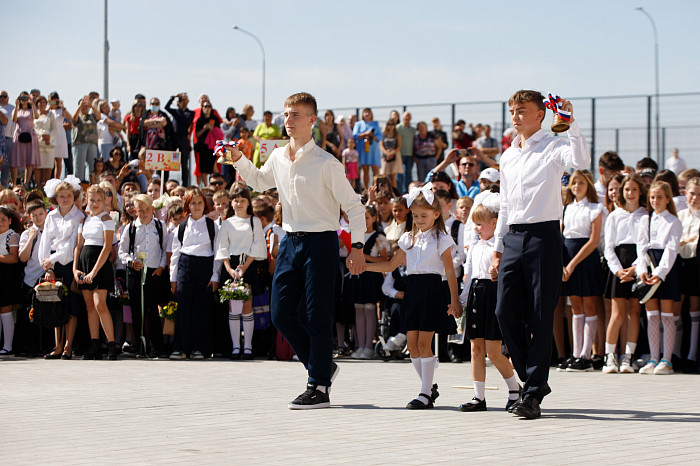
[(653, 332), (512, 383), (417, 366), (669, 334), (428, 372), (577, 330), (479, 391)]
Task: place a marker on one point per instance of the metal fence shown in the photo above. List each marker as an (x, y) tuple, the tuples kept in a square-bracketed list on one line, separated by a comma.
[(623, 123)]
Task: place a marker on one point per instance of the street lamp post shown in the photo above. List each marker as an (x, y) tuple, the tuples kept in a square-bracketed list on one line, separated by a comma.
[(106, 59), (659, 156), (262, 49)]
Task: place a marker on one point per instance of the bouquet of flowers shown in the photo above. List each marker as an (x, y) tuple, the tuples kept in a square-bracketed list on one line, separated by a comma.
[(162, 201), (168, 311), (236, 290)]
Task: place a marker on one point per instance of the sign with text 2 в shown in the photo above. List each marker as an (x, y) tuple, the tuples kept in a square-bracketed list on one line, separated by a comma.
[(162, 160), (267, 146)]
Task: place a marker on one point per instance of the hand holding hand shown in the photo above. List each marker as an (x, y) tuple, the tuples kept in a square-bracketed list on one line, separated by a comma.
[(356, 261)]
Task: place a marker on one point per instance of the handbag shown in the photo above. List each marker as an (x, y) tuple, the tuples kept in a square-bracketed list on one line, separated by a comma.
[(25, 136)]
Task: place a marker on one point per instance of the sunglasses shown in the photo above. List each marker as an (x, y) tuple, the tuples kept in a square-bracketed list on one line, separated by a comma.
[(108, 193), (216, 183), (206, 106), (467, 164), (3, 96)]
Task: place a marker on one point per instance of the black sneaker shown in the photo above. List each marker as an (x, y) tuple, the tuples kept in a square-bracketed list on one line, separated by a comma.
[(580, 365), (311, 399), (597, 362), (564, 364)]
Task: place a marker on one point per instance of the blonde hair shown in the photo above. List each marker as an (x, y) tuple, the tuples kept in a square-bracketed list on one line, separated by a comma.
[(97, 189), (64, 186), (420, 202), (482, 214), (666, 189), (692, 182), (144, 199), (106, 185)]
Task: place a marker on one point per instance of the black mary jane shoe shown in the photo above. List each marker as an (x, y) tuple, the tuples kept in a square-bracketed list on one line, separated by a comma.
[(434, 392), (528, 408), (480, 405), (52, 356), (418, 404), (511, 403)]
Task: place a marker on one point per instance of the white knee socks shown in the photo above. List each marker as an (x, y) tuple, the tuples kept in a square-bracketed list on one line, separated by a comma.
[(234, 325), (427, 372), (653, 332), (479, 390), (577, 330), (8, 329), (417, 366), (694, 327), (679, 335), (248, 328), (589, 331), (669, 334)]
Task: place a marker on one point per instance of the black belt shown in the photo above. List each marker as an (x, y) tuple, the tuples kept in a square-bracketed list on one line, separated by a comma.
[(305, 233)]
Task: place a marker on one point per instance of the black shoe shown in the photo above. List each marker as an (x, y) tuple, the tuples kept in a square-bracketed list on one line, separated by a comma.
[(418, 404), (236, 355), (247, 356), (434, 393), (597, 362), (66, 356), (480, 405), (153, 354), (311, 399), (53, 356), (528, 408), (564, 364), (580, 365), (511, 403), (112, 351), (690, 367), (335, 370)]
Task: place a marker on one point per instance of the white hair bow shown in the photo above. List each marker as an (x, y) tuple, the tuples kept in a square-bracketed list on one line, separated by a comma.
[(50, 187), (73, 181), (492, 202), (425, 190)]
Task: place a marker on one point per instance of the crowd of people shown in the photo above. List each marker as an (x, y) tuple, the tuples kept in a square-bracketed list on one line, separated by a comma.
[(129, 246)]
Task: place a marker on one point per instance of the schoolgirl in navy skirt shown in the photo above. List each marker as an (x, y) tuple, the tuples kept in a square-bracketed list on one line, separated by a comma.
[(690, 267), (660, 237), (11, 282)]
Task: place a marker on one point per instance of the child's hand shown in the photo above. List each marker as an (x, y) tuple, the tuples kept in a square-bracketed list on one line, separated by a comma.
[(455, 309)]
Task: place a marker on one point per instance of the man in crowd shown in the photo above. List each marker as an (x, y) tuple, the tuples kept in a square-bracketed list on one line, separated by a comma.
[(9, 127), (488, 145), (438, 133), (460, 139), (675, 163), (217, 182), (609, 165), (407, 133), (182, 122)]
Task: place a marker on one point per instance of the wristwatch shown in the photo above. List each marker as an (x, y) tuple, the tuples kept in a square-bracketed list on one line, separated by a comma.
[(357, 245)]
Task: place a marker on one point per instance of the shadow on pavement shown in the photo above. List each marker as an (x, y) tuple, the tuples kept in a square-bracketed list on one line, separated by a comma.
[(619, 415)]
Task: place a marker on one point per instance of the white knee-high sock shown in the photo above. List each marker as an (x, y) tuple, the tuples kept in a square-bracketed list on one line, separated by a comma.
[(653, 333), (669, 334), (428, 372), (248, 329), (577, 331), (694, 328), (234, 325), (513, 386), (479, 390), (8, 330), (417, 366), (589, 331), (679, 335)]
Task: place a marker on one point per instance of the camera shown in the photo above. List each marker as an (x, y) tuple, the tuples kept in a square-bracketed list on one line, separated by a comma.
[(23, 98)]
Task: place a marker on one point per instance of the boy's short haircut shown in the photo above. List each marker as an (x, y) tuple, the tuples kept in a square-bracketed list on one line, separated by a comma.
[(174, 210), (482, 214), (215, 175), (611, 161), (106, 174), (302, 98), (647, 162), (32, 206), (467, 200), (144, 199), (154, 181), (220, 194), (129, 183), (264, 210), (523, 96), (688, 174)]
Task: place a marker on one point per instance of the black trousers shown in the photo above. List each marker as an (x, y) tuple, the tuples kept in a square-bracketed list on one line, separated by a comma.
[(195, 305), (529, 279), (185, 150), (152, 328)]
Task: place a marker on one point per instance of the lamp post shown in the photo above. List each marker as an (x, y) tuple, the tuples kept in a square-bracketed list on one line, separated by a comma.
[(106, 58), (656, 70), (262, 49)]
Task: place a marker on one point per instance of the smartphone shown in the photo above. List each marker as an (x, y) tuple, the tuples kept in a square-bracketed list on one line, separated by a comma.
[(462, 152), (470, 152), (23, 98)]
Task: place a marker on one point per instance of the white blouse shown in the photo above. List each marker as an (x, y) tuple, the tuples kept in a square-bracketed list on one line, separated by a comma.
[(666, 231), (479, 261), (621, 227), (578, 218), (681, 203), (8, 240), (45, 124), (195, 242), (60, 236), (690, 219), (236, 237), (94, 228), (425, 256), (146, 239)]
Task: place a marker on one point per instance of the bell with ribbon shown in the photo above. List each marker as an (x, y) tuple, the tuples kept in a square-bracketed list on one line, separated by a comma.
[(562, 118), (223, 150)]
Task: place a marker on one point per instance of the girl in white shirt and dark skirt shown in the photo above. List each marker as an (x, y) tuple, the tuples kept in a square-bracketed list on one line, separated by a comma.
[(194, 277), (11, 282), (241, 247), (660, 236), (690, 266), (621, 231), (93, 272), (581, 227), (432, 296)]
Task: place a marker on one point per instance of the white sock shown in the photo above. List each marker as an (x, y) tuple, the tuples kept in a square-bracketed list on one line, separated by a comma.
[(694, 328), (234, 325), (654, 334), (630, 347), (669, 334), (417, 366), (679, 336), (513, 386), (248, 329), (610, 347), (8, 329), (590, 329), (322, 388), (427, 371), (479, 391), (577, 330)]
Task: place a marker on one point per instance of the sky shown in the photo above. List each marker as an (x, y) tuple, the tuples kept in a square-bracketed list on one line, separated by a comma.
[(355, 54)]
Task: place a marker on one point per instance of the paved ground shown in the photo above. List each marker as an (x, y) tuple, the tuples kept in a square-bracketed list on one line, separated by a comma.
[(223, 412)]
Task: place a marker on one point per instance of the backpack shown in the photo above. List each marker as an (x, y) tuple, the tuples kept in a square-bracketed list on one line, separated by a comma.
[(132, 235), (454, 230), (210, 229)]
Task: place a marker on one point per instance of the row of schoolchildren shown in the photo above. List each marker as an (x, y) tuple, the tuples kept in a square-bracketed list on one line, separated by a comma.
[(631, 230), (83, 250)]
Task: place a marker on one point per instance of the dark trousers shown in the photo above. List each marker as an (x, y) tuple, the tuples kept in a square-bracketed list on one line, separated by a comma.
[(185, 150), (195, 305), (529, 279), (302, 302), (151, 324)]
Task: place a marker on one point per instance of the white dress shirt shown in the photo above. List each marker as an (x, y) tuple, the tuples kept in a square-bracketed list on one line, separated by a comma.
[(425, 256), (531, 178), (690, 219), (94, 227), (33, 271), (666, 231), (60, 235), (146, 239), (312, 189), (195, 242), (388, 285), (236, 237), (578, 218), (600, 190), (621, 227)]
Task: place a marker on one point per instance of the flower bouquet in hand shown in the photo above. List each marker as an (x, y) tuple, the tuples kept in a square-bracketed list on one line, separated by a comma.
[(168, 312), (235, 290)]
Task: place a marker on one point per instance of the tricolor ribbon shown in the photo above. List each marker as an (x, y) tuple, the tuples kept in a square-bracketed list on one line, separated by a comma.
[(425, 190), (222, 145), (553, 102)]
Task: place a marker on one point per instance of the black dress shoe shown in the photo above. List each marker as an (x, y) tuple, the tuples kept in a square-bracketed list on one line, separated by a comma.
[(418, 404), (66, 356), (434, 393), (480, 405), (247, 356), (52, 356), (528, 408), (510, 403)]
